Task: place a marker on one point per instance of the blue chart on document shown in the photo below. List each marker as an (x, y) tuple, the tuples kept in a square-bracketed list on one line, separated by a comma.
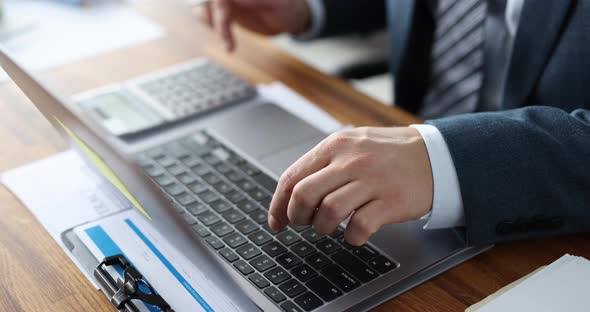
[(175, 278)]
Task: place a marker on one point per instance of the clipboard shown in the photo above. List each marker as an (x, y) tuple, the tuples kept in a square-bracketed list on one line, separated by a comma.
[(122, 293)]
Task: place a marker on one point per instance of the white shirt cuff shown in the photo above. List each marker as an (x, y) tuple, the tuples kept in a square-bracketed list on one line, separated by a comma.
[(447, 204), (318, 19)]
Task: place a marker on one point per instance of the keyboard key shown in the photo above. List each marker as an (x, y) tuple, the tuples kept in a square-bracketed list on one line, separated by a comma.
[(292, 288), (176, 170), (259, 216), (212, 178), (337, 233), (228, 254), (196, 208), (187, 178), (277, 275), (260, 237), (328, 246), (243, 267), (249, 169), (200, 170), (262, 263), (212, 159), (246, 185), (197, 187), (185, 199), (166, 161), (174, 189), (318, 260), (233, 216), (221, 229), (365, 252), (299, 228), (267, 182), (288, 260), (214, 242), (290, 307), (164, 180), (248, 251), (308, 301), (247, 206), (208, 218), (303, 249), (304, 273), (345, 244), (235, 240), (274, 248), (235, 197), (188, 218), (191, 161), (288, 238), (246, 227), (223, 188), (201, 230), (275, 294), (259, 195), (355, 266), (258, 280), (324, 288), (221, 205), (267, 228), (382, 264), (223, 168), (235, 176), (208, 196), (312, 236), (340, 278)]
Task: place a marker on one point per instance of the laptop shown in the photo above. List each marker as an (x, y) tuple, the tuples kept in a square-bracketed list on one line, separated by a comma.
[(207, 183)]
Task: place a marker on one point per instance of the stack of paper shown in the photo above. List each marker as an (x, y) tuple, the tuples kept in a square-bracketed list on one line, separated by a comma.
[(562, 286)]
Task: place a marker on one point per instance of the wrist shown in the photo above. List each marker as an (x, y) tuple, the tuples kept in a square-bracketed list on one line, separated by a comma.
[(302, 18)]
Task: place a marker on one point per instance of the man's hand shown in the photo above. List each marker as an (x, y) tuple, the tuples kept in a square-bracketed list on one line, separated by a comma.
[(268, 17), (377, 176)]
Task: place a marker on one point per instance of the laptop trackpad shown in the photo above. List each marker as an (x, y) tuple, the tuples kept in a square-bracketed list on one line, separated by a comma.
[(278, 162), (268, 134)]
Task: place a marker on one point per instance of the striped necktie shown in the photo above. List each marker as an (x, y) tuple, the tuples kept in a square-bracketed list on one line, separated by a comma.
[(456, 58)]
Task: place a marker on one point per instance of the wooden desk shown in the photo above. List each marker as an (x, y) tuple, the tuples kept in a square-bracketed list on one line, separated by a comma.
[(35, 275)]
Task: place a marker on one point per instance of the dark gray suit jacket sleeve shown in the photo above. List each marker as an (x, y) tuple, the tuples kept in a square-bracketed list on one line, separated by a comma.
[(523, 173), (353, 16)]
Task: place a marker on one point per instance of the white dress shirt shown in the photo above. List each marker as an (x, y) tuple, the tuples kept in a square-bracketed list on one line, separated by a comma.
[(447, 204)]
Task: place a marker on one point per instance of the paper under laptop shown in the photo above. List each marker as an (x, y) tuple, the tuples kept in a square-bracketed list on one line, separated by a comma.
[(68, 197)]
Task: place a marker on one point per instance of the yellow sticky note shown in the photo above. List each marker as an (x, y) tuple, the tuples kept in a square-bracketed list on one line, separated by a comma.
[(106, 171)]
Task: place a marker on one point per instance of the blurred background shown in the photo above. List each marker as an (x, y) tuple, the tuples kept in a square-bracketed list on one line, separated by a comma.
[(44, 34)]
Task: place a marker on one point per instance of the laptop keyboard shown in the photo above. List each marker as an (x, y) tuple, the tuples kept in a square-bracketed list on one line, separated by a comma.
[(225, 200), (197, 89)]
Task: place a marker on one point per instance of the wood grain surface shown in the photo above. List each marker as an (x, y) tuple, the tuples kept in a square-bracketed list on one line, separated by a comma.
[(36, 275)]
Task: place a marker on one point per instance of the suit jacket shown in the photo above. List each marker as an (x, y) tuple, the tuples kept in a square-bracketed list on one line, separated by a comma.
[(524, 171)]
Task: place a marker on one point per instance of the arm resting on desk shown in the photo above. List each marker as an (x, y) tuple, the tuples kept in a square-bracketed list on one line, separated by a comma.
[(523, 173)]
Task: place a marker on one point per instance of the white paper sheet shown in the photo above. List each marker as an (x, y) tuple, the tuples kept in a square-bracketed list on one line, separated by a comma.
[(59, 33), (184, 286), (62, 192), (561, 286)]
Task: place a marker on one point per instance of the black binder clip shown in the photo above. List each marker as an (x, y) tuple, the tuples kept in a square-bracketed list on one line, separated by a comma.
[(121, 293)]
